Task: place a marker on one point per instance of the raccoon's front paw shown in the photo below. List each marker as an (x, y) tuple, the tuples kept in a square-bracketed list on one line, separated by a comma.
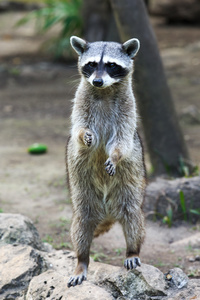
[(110, 168), (88, 138)]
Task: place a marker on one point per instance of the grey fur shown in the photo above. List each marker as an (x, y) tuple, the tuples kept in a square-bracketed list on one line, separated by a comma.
[(105, 164)]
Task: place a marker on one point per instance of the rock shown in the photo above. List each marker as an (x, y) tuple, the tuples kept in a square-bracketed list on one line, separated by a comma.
[(31, 274), (88, 291), (162, 194), (136, 284), (191, 259), (191, 293), (108, 282), (17, 229), (178, 278), (53, 285), (18, 265), (104, 281)]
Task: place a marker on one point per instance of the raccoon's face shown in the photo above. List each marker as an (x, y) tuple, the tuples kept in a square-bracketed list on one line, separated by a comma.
[(105, 63)]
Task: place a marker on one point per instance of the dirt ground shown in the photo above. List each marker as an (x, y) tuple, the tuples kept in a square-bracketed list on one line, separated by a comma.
[(35, 106)]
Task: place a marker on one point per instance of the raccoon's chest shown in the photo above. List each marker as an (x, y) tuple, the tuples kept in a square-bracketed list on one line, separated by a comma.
[(103, 122)]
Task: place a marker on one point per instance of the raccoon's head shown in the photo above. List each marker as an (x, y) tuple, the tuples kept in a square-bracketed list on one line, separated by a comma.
[(105, 63)]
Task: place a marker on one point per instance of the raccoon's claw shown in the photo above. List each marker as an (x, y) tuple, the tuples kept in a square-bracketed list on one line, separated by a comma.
[(110, 168), (87, 139), (132, 263), (74, 280)]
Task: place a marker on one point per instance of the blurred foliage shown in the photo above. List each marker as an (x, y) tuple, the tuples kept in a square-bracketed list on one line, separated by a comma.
[(66, 13), (31, 1)]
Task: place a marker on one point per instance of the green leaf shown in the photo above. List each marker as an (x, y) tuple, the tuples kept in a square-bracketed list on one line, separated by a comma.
[(67, 13), (195, 211), (51, 22), (183, 204)]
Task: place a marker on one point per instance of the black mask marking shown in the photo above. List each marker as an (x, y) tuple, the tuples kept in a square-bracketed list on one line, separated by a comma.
[(113, 70), (89, 69)]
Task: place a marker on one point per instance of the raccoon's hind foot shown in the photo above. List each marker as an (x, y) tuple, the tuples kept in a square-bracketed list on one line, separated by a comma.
[(76, 279), (132, 263), (79, 276), (110, 168)]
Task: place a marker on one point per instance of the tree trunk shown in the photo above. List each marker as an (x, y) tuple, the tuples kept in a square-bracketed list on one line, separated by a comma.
[(162, 132), (99, 21), (96, 15)]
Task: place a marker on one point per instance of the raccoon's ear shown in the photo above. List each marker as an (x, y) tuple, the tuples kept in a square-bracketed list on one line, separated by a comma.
[(131, 47), (78, 44)]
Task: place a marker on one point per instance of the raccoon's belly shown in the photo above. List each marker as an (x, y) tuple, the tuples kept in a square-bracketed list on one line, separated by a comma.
[(101, 181), (97, 168)]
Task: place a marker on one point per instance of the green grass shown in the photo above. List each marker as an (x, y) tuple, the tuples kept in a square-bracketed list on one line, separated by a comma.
[(189, 248), (119, 251), (62, 245), (195, 211), (194, 273), (14, 71), (183, 204), (48, 239), (98, 256), (160, 264), (184, 208), (168, 219)]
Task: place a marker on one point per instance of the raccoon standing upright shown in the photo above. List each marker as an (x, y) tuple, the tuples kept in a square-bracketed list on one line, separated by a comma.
[(105, 165)]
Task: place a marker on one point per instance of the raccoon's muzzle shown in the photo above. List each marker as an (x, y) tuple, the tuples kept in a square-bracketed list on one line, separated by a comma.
[(98, 82)]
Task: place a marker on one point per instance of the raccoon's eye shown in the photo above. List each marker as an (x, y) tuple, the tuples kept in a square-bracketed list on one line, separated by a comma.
[(92, 64), (111, 65)]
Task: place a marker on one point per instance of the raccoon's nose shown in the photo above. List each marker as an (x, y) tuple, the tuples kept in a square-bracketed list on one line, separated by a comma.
[(98, 82)]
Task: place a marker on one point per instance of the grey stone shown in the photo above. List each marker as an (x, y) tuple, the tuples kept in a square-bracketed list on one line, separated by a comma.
[(191, 259), (179, 278), (53, 285), (104, 281), (18, 229), (136, 284), (18, 265), (36, 275), (30, 274), (192, 292)]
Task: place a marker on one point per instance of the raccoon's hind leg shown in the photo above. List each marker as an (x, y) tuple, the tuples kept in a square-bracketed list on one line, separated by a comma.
[(82, 230), (80, 273), (134, 232)]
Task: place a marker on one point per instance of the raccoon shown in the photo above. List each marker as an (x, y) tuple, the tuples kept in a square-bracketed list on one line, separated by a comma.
[(104, 155)]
